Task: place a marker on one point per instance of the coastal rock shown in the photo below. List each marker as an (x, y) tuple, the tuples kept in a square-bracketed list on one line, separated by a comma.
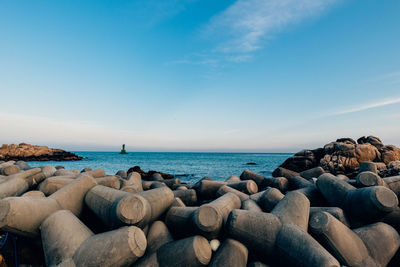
[(344, 156), (149, 174), (303, 160), (392, 169), (390, 153), (27, 152), (373, 140)]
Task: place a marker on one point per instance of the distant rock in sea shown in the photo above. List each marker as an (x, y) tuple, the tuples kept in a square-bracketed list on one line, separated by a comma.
[(251, 163), (29, 152), (344, 156)]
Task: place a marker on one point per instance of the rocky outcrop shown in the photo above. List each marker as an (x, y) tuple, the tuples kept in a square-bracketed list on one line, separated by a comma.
[(148, 175), (29, 152), (345, 155)]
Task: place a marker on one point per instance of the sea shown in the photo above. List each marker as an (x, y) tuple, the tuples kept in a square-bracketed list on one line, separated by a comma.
[(187, 166)]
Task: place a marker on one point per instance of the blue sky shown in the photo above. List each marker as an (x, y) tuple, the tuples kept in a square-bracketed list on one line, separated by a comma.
[(187, 75)]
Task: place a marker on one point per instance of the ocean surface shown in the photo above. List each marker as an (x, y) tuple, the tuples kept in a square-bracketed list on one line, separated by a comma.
[(188, 167)]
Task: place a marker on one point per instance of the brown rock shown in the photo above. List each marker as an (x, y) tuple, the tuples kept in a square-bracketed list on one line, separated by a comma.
[(344, 156), (390, 153), (373, 140), (28, 152)]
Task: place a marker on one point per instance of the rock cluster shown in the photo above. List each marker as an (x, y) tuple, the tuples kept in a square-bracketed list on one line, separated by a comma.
[(345, 155), (27, 152), (65, 217)]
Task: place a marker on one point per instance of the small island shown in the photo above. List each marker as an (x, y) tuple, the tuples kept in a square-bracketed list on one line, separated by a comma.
[(29, 152)]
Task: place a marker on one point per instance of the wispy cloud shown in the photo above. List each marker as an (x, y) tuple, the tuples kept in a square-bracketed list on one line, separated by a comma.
[(156, 11), (245, 25), (368, 106)]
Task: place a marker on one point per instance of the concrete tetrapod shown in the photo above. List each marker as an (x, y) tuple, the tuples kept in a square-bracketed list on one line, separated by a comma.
[(296, 247), (120, 247), (338, 239), (177, 203), (159, 199), (192, 252), (247, 187), (97, 173), (157, 236), (280, 183), (48, 170), (231, 253), (206, 189), (250, 204), (369, 204), (249, 175), (232, 179), (131, 189), (23, 215), (366, 204), (256, 196), (133, 179), (210, 218), (22, 165), (299, 182), (188, 196), (336, 212), (9, 170), (33, 193), (180, 221), (270, 198), (256, 230), (381, 240), (314, 195), (71, 196), (52, 184), (367, 178), (226, 189), (112, 181), (368, 166), (116, 208), (6, 164), (283, 172), (171, 182), (312, 173), (62, 234), (16, 184), (333, 189), (294, 209), (393, 183)]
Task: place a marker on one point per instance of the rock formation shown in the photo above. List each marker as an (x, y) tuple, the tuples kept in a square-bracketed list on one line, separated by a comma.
[(29, 152), (345, 155)]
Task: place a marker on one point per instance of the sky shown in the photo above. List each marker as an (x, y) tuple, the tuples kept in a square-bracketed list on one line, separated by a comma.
[(198, 75)]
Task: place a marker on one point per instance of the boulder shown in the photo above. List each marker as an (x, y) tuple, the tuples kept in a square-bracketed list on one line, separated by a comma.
[(373, 140), (390, 153)]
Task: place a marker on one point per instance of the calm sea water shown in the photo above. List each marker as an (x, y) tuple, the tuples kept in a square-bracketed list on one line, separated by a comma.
[(189, 166)]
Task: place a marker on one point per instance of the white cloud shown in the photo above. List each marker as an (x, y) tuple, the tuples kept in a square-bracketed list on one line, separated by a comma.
[(246, 24), (368, 106)]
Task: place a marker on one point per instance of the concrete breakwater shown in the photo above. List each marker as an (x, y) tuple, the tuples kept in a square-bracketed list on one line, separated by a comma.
[(61, 217)]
